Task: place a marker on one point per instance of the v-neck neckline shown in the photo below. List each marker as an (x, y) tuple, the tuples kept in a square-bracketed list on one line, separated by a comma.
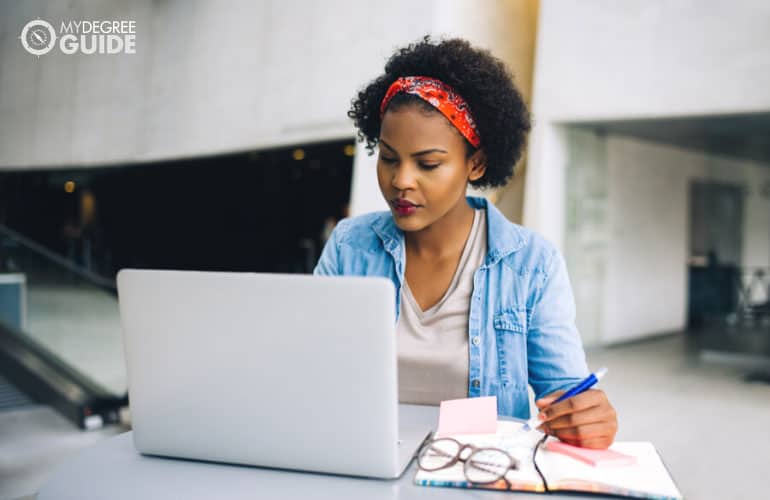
[(455, 277)]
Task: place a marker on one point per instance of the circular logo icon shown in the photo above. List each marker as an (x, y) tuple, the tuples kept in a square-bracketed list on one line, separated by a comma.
[(38, 37)]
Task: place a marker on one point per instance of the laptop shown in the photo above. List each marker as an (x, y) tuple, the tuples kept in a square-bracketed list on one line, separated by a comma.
[(276, 370)]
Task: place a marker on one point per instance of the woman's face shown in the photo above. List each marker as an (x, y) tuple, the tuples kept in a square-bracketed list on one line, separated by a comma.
[(422, 167)]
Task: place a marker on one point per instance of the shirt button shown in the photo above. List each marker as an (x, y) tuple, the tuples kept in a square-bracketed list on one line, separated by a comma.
[(475, 383), (476, 340)]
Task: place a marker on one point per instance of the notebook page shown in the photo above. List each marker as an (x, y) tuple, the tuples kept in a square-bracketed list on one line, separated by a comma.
[(648, 476)]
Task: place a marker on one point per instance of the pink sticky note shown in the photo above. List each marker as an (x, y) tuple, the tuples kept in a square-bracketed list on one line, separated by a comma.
[(468, 416), (591, 456)]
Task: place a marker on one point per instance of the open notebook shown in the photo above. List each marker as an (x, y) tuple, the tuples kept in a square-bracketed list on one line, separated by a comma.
[(647, 478)]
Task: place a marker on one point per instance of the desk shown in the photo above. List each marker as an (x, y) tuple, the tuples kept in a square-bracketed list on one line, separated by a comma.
[(114, 469)]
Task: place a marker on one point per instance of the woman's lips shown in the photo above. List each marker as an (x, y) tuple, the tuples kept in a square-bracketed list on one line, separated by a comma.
[(404, 207), (406, 210)]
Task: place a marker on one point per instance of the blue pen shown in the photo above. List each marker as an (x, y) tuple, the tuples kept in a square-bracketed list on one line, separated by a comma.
[(587, 383)]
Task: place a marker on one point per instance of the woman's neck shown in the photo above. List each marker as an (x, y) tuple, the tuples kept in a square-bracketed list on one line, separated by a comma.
[(444, 238)]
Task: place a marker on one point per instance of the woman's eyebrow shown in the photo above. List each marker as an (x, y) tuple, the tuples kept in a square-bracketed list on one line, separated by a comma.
[(418, 153)]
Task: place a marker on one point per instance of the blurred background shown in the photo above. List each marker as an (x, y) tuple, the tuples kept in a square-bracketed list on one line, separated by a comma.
[(222, 143)]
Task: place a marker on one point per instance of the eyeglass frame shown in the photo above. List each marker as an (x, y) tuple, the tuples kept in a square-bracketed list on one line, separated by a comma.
[(461, 447), (474, 449)]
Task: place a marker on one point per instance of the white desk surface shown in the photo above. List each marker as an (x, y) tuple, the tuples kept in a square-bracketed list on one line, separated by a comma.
[(114, 469)]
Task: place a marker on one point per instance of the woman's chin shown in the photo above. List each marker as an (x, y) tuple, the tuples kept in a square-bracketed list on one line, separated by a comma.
[(408, 223)]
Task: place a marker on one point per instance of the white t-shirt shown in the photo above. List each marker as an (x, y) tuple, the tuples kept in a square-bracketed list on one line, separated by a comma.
[(433, 344)]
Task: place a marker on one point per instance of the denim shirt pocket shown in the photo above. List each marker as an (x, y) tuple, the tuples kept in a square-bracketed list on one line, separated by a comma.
[(511, 333), (511, 321)]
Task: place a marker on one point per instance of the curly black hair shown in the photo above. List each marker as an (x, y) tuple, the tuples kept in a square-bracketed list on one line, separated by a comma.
[(480, 78)]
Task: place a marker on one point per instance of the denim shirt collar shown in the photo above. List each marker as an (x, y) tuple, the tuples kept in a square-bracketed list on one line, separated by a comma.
[(503, 237)]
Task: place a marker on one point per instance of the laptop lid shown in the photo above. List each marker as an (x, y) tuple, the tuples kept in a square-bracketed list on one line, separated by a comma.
[(287, 371)]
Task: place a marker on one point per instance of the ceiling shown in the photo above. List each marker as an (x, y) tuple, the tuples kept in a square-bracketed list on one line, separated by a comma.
[(745, 136)]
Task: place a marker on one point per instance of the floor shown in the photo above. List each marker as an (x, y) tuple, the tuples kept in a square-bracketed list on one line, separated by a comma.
[(708, 423), (33, 440)]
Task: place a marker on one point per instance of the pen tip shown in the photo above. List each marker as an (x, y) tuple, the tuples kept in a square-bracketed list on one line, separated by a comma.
[(600, 372)]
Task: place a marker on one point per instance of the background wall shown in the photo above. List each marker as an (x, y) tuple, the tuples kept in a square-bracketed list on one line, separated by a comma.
[(648, 222), (587, 235), (628, 228), (280, 72), (600, 59), (618, 206), (204, 80)]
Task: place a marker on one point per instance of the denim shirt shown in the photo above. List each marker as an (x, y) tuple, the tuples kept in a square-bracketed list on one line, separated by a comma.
[(521, 323)]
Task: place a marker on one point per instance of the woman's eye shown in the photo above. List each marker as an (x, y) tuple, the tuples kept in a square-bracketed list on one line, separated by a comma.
[(424, 166)]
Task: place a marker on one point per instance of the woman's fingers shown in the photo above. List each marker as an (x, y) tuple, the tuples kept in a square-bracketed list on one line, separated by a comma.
[(583, 432), (582, 401), (587, 420), (547, 400), (592, 415)]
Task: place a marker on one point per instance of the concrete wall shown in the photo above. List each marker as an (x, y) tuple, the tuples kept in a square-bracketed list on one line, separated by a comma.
[(646, 285), (206, 78), (625, 236), (605, 59), (628, 227), (602, 59)]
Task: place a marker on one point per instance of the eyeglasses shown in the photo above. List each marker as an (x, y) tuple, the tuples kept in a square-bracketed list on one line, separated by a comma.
[(480, 465)]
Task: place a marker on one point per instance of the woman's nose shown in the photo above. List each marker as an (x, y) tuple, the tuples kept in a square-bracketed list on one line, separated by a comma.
[(403, 177)]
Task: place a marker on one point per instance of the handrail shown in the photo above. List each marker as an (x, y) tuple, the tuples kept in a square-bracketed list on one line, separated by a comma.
[(39, 249), (45, 377)]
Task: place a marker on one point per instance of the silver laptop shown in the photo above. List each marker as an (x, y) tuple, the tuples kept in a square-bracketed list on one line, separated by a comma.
[(285, 371)]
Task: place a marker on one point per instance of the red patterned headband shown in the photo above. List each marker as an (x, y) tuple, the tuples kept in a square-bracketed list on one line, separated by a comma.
[(442, 97)]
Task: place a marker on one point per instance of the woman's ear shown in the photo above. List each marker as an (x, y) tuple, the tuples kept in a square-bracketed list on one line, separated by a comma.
[(477, 164)]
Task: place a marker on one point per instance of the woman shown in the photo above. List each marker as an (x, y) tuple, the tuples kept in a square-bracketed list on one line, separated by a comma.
[(484, 307)]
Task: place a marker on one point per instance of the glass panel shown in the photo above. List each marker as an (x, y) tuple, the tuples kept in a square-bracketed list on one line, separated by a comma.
[(72, 313)]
